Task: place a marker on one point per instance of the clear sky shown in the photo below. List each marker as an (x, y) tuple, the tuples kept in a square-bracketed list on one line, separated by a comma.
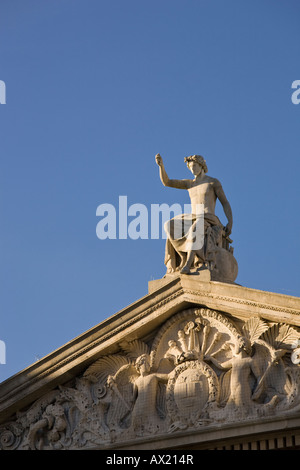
[(94, 89)]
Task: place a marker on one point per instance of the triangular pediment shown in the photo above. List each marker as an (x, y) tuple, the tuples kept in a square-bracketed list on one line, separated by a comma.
[(188, 358)]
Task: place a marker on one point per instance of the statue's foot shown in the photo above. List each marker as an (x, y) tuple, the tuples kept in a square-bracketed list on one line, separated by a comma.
[(185, 270)]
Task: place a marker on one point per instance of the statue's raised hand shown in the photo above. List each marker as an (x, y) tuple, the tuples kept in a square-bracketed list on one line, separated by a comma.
[(158, 159)]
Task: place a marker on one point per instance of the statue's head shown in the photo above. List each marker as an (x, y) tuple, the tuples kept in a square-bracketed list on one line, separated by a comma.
[(198, 160), (142, 364), (244, 343)]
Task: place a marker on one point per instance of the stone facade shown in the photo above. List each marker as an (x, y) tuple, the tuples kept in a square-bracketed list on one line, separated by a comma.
[(192, 365)]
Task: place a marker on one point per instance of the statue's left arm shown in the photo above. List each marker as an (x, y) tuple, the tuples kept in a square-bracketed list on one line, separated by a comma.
[(221, 365), (226, 206), (162, 377)]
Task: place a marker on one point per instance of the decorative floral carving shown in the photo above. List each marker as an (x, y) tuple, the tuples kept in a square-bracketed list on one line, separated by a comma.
[(199, 370)]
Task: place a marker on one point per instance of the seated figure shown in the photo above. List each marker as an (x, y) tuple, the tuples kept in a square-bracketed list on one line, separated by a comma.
[(214, 253)]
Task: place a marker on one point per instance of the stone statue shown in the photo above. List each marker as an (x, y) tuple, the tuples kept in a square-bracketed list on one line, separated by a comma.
[(241, 364), (215, 253), (145, 393)]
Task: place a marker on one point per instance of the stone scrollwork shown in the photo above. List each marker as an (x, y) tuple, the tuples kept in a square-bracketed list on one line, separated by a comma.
[(201, 369)]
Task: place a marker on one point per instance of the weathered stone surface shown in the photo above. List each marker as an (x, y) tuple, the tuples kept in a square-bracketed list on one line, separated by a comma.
[(198, 240), (191, 363)]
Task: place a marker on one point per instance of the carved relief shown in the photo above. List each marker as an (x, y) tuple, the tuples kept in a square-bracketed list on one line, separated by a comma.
[(201, 369), (192, 391)]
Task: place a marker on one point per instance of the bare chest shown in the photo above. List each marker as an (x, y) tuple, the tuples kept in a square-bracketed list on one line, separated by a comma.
[(203, 193)]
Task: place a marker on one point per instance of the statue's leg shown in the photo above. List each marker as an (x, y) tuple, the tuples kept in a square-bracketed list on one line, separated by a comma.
[(170, 257), (190, 258), (183, 258), (201, 255)]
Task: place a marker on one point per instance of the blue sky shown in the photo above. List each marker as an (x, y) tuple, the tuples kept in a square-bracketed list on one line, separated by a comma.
[(94, 89)]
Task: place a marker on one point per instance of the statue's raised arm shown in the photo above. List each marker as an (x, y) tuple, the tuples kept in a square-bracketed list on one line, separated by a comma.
[(166, 181)]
